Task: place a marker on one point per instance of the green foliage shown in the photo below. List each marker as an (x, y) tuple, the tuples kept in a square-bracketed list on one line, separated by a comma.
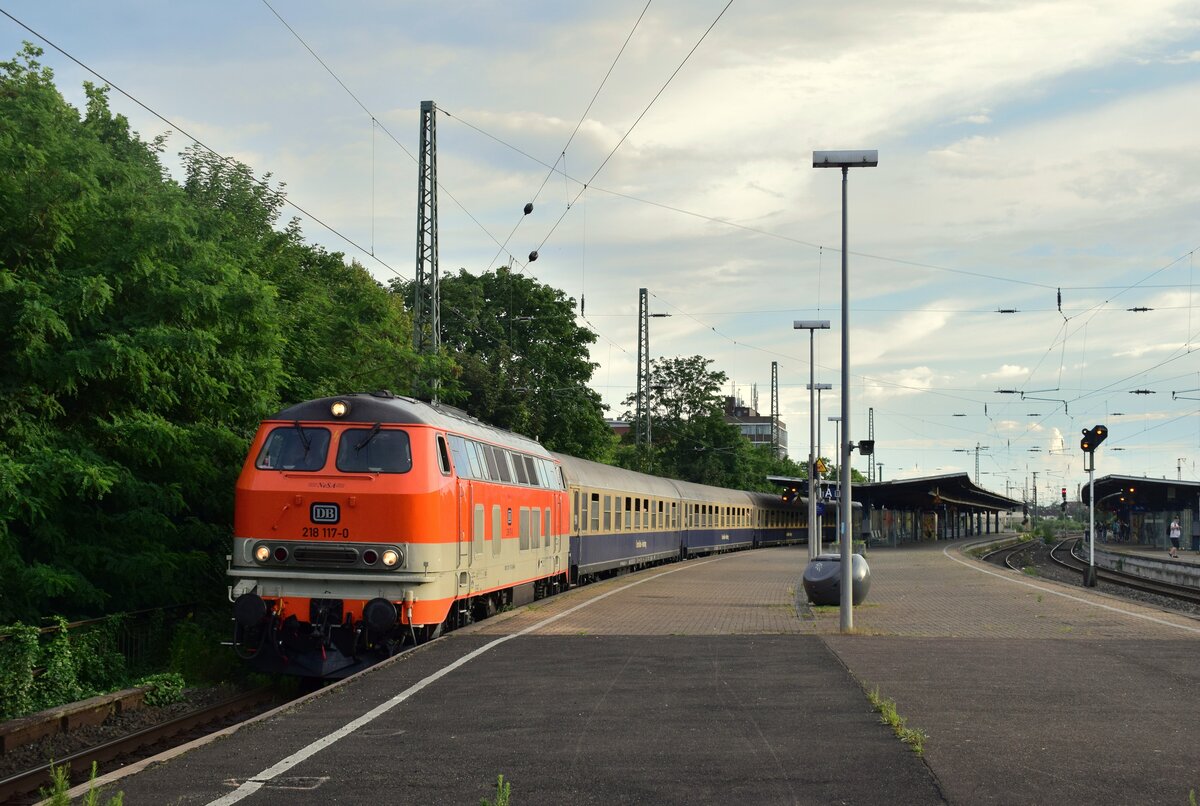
[(149, 325), (18, 658), (522, 361), (60, 784), (58, 683), (194, 651), (72, 666), (165, 688), (690, 438), (503, 791)]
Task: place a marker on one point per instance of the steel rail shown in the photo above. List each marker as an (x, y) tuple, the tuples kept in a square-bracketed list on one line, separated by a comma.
[(80, 763)]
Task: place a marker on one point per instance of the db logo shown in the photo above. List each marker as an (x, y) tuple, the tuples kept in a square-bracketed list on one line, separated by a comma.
[(324, 513)]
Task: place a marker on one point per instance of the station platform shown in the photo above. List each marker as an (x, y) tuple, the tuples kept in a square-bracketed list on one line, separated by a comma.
[(711, 681), (1186, 555)]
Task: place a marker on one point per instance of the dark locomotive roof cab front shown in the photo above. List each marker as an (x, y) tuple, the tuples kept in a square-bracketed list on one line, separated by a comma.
[(388, 409)]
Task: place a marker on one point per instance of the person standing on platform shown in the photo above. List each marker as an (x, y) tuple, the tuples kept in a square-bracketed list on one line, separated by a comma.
[(1174, 534)]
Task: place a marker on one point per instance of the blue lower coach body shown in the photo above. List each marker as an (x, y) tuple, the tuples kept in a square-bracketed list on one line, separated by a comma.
[(599, 552)]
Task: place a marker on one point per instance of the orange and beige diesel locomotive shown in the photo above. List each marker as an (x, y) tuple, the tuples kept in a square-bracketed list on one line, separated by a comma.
[(367, 521)]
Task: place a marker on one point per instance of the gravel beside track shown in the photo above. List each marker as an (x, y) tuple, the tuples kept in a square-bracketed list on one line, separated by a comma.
[(1035, 559)]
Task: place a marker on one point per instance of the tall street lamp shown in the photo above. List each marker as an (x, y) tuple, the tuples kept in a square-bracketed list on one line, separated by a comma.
[(811, 325), (817, 506), (845, 160)]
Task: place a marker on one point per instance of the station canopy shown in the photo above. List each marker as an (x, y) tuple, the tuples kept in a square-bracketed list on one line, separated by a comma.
[(1158, 495), (924, 493)]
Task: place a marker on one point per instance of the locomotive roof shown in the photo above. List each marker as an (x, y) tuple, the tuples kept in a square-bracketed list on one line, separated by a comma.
[(384, 407)]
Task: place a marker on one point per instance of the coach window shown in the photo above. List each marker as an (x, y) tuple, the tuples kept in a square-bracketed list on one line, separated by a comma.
[(674, 516), (637, 513), (594, 524), (575, 512), (524, 529), (497, 534), (628, 525), (646, 512), (608, 513)]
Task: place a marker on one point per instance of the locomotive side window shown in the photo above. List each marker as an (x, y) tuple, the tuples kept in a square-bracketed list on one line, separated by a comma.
[(502, 464), (294, 448), (542, 475), (490, 459), (458, 447), (531, 470), (479, 465), (519, 469), (374, 450), (575, 512), (443, 456)]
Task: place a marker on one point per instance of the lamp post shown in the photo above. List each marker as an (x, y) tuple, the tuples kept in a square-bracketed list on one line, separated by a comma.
[(819, 547), (845, 160), (811, 325)]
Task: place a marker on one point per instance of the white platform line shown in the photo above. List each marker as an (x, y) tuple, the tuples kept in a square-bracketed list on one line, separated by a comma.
[(258, 781), (1072, 597)]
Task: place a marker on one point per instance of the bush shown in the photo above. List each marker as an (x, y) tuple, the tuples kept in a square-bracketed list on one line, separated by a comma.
[(165, 688)]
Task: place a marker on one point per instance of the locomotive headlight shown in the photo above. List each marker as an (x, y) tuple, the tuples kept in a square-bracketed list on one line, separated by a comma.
[(339, 408), (391, 557), (262, 553)]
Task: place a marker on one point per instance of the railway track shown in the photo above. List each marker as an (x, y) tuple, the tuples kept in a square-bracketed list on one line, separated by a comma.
[(1006, 555), (1063, 554), (19, 787)]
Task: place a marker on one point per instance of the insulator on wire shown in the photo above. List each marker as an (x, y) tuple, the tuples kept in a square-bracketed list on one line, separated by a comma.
[(533, 256), (528, 208)]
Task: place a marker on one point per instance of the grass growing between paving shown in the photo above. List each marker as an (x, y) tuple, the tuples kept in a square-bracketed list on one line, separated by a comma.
[(913, 737), (503, 791)]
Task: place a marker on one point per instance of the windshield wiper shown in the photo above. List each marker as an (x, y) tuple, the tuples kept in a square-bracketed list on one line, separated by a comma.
[(368, 437), (304, 440)]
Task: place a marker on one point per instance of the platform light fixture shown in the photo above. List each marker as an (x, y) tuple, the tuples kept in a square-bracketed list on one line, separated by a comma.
[(845, 160)]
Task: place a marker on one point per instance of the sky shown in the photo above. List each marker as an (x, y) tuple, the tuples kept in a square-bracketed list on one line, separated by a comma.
[(1034, 157)]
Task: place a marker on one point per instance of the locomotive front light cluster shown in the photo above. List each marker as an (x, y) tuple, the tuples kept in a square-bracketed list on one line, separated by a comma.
[(391, 558), (262, 553), (339, 408)]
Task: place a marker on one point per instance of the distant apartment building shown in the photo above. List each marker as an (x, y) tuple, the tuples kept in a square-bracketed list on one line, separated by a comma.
[(754, 426)]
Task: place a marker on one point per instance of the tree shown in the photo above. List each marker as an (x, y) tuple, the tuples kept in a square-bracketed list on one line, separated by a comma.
[(147, 327), (522, 361)]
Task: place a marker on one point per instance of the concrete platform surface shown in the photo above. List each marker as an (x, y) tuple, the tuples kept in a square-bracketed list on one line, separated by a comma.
[(704, 682)]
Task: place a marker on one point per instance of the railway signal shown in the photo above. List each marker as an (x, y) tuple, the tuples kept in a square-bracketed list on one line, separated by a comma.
[(1092, 437), (1064, 501)]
